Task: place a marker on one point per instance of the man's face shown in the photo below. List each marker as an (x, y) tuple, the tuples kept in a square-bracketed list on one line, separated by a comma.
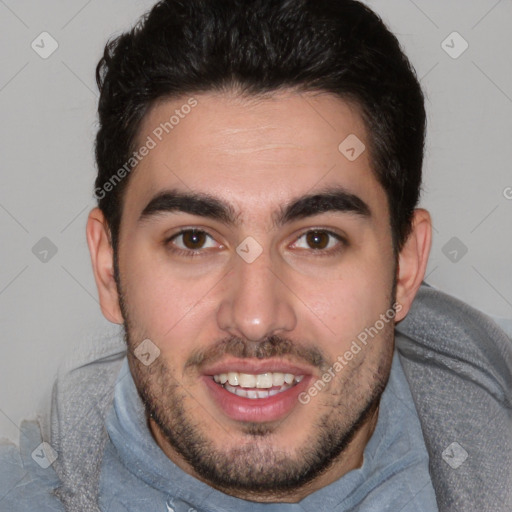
[(253, 276)]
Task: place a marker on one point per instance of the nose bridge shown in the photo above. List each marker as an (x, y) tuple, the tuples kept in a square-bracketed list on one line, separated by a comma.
[(256, 303)]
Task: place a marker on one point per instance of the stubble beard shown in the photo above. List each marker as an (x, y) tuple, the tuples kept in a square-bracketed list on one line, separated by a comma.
[(257, 469)]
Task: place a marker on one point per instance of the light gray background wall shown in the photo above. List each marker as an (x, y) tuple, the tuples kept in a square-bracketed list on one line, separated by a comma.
[(47, 168)]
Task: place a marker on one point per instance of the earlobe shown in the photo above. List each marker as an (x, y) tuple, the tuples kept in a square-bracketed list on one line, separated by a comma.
[(412, 261), (102, 259)]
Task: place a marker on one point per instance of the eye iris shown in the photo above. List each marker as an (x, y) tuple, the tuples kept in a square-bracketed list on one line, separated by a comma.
[(317, 239), (194, 239)]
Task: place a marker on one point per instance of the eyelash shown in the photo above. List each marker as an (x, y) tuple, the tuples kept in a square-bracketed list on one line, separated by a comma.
[(190, 253)]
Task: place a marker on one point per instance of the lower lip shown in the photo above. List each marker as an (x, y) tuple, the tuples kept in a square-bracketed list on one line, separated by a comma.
[(258, 409)]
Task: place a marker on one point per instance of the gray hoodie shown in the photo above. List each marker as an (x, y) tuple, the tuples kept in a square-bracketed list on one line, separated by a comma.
[(458, 364)]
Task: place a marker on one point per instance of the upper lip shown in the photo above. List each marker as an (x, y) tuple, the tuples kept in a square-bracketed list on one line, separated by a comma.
[(256, 367)]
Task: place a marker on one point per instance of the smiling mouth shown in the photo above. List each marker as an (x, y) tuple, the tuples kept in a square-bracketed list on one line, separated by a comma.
[(257, 386)]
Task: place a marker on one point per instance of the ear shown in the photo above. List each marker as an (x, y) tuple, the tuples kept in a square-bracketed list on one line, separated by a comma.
[(102, 258), (412, 261)]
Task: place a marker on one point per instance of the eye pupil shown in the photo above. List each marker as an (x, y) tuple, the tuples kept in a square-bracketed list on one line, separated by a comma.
[(194, 239), (317, 239)]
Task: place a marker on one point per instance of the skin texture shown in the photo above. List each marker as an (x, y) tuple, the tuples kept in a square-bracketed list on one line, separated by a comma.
[(299, 302)]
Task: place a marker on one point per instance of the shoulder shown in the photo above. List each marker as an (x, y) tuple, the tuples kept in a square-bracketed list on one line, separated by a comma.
[(42, 472), (445, 332), (27, 477), (458, 363), (81, 398)]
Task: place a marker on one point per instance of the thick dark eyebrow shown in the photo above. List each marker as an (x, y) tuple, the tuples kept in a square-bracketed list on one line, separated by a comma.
[(329, 200), (203, 205)]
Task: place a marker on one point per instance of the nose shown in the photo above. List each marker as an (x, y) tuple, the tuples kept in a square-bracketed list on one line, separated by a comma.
[(257, 302)]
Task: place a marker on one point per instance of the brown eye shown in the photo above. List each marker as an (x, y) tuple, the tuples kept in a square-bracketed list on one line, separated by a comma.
[(194, 239), (317, 239), (320, 241)]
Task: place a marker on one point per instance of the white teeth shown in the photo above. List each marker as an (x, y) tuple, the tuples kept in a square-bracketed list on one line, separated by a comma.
[(246, 380), (289, 378), (254, 393), (233, 378), (278, 379), (264, 380), (236, 390)]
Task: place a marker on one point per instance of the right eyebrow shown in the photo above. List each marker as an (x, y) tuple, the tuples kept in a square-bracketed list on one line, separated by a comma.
[(199, 204)]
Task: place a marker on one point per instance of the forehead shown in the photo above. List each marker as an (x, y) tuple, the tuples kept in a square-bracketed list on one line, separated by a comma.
[(253, 152)]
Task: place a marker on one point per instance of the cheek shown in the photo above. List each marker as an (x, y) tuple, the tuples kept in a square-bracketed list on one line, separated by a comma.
[(350, 301), (161, 300)]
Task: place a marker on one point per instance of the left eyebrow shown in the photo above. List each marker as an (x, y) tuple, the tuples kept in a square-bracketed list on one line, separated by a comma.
[(329, 200)]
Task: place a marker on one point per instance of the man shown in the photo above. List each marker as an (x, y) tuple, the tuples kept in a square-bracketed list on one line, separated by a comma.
[(257, 236)]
